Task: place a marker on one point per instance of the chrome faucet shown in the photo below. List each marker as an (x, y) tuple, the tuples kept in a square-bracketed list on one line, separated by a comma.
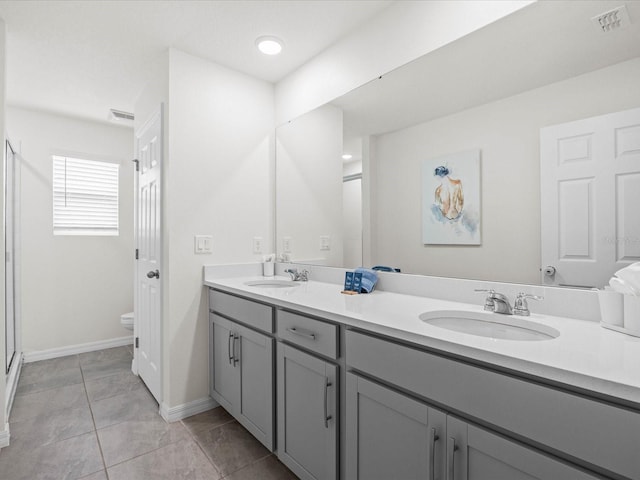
[(296, 276), (496, 302)]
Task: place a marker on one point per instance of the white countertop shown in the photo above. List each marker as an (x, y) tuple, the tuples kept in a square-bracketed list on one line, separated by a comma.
[(585, 355)]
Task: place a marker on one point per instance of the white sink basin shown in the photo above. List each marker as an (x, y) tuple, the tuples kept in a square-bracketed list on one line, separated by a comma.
[(272, 283), (492, 325)]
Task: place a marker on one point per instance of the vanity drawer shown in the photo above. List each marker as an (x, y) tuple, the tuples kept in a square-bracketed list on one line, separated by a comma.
[(596, 432), (251, 313), (312, 334)]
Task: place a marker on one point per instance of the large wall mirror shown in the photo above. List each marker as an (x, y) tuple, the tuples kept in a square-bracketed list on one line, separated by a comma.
[(492, 92)]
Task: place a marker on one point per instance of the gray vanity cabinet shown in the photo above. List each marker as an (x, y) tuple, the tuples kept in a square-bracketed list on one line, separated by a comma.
[(391, 436), (473, 453), (242, 376), (533, 413), (307, 414)]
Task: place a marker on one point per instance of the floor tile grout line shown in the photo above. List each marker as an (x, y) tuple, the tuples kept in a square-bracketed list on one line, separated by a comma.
[(222, 477), (48, 388), (249, 464), (13, 420), (195, 440), (116, 394), (142, 454), (93, 419)]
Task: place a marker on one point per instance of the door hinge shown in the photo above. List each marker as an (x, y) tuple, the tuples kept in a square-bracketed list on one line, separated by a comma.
[(137, 342), (137, 254), (137, 162)]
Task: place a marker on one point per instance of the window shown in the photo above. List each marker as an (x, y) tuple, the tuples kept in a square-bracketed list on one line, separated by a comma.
[(85, 197)]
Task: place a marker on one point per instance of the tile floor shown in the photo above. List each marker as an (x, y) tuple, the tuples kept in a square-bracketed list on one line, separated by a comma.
[(88, 417)]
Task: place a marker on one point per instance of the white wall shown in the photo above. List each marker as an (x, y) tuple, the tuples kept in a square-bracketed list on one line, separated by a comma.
[(74, 288), (400, 33), (218, 181), (309, 185), (507, 132)]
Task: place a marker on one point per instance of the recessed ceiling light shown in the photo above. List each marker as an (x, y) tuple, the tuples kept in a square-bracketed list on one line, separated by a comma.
[(269, 45), (347, 156)]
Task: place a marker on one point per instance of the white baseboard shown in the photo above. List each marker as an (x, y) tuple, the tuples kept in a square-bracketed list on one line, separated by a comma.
[(75, 349), (173, 414), (4, 436)]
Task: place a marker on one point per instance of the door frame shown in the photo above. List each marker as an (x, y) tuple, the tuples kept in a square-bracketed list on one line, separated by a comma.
[(158, 112), (13, 372)]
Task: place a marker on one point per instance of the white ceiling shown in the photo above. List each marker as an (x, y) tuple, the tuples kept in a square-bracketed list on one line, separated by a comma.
[(82, 58)]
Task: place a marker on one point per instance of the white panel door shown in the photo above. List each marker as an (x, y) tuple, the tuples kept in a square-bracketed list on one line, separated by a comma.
[(148, 272), (590, 192)]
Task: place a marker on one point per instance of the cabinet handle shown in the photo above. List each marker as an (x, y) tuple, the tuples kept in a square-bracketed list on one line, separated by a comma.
[(295, 331), (451, 457), (432, 453), (327, 417), (236, 358), (229, 347)]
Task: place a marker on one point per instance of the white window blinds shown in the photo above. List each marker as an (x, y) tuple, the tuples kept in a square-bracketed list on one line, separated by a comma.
[(85, 197)]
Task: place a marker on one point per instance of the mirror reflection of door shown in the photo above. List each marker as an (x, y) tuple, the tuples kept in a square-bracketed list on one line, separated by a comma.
[(352, 215), (590, 192)]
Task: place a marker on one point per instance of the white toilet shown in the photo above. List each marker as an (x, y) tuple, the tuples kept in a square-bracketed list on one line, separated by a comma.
[(127, 320)]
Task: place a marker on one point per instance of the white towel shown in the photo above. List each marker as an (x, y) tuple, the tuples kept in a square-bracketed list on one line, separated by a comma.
[(631, 277), (623, 287)]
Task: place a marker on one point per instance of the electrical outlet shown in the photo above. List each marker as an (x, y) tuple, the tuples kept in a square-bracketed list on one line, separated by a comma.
[(325, 242), (286, 244), (257, 244), (203, 244)]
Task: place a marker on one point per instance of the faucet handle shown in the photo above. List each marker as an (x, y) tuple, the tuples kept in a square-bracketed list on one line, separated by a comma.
[(521, 307), (293, 272), (489, 304), (304, 275)]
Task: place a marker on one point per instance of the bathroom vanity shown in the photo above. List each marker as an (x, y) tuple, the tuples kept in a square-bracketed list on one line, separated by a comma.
[(361, 387)]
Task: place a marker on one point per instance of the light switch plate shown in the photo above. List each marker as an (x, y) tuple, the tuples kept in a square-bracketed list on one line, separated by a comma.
[(286, 244), (325, 242), (257, 244), (203, 244)]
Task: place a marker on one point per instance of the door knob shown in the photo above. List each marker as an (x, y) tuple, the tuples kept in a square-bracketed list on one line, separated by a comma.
[(152, 274)]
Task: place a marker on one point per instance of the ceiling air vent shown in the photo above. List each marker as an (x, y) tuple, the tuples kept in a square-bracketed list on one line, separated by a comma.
[(612, 20), (120, 116)]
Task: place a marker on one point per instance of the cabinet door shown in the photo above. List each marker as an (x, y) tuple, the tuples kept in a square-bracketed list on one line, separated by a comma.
[(254, 355), (307, 414), (476, 454), (391, 436), (225, 381)]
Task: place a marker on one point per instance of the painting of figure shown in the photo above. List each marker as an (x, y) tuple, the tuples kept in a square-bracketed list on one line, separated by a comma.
[(451, 199), (449, 195)]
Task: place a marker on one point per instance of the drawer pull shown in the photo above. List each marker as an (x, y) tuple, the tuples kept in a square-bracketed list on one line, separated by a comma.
[(451, 455), (295, 331), (229, 347), (327, 417), (236, 358), (432, 453)]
